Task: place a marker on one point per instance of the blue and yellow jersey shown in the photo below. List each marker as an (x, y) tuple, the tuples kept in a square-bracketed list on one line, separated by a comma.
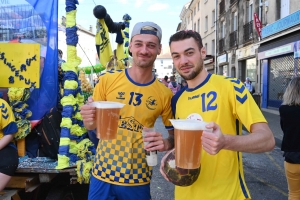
[(7, 120), (227, 102), (123, 161)]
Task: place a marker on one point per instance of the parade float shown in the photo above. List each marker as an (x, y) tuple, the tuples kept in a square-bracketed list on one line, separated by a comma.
[(32, 94)]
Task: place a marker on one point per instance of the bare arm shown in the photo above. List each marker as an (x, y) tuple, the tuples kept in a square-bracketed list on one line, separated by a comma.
[(5, 140), (260, 140)]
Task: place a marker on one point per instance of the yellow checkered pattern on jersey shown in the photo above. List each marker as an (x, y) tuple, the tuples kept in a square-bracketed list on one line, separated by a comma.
[(122, 160)]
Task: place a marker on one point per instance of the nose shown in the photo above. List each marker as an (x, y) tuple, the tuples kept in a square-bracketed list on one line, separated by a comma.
[(144, 49), (183, 60)]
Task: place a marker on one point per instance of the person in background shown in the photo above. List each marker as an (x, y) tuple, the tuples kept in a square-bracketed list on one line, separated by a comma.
[(183, 83), (216, 99), (249, 85), (120, 169), (289, 121), (165, 81), (173, 85), (8, 151)]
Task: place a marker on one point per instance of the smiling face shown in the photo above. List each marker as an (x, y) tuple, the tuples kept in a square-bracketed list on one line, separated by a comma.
[(144, 49), (187, 57)]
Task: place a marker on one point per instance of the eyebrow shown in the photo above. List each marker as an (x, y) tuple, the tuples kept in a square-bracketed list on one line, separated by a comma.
[(135, 41), (191, 48)]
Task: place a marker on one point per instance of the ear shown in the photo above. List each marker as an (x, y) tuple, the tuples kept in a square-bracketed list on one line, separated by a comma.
[(203, 52)]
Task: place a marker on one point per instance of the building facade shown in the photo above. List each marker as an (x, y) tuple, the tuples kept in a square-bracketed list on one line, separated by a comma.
[(237, 39), (199, 15), (279, 50), (163, 65)]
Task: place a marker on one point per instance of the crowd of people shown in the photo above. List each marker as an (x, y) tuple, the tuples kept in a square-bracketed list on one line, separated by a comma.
[(119, 170)]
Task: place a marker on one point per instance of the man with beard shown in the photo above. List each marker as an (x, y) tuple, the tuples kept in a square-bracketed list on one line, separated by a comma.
[(120, 169), (227, 105)]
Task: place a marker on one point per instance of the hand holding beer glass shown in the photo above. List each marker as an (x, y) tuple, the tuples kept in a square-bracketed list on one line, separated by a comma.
[(151, 156), (188, 145), (107, 118)]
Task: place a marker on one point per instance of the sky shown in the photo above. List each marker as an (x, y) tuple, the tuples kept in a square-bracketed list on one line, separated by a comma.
[(163, 12)]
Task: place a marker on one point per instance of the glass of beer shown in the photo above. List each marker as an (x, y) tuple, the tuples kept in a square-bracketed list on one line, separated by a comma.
[(107, 118), (188, 145)]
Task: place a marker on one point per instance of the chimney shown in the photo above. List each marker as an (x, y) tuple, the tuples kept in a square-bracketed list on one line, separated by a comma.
[(91, 28)]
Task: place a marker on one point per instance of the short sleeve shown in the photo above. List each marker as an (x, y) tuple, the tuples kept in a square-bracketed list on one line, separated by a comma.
[(8, 124), (99, 90), (244, 105)]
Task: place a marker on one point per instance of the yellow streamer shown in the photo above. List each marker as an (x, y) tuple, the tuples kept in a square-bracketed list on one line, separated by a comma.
[(62, 162), (64, 141), (71, 18), (71, 85), (68, 100), (77, 130), (66, 122)]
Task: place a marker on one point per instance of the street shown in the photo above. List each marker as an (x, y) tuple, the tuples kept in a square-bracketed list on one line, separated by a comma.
[(264, 174)]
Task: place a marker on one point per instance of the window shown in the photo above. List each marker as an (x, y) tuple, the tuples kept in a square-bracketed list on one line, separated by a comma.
[(205, 46), (223, 30), (234, 21), (194, 26), (213, 47), (250, 12), (284, 8), (198, 5), (198, 25), (161, 62), (170, 66), (213, 18), (194, 11), (206, 23)]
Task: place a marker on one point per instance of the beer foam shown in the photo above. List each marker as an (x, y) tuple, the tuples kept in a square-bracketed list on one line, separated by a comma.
[(107, 104), (188, 124)]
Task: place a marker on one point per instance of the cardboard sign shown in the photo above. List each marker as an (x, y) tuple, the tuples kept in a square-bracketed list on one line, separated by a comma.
[(19, 65)]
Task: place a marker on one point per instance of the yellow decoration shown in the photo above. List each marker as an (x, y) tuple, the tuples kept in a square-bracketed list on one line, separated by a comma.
[(68, 100), (66, 122), (70, 85), (71, 18), (84, 171), (62, 162), (102, 39), (64, 141), (78, 116), (20, 65), (77, 130)]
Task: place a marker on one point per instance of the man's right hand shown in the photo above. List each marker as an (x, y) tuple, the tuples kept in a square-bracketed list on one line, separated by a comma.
[(87, 112)]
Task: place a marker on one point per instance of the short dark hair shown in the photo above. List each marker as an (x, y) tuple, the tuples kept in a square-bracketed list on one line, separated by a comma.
[(166, 78), (185, 34)]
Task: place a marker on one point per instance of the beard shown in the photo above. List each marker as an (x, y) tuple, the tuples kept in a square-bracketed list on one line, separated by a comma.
[(197, 70), (143, 64)]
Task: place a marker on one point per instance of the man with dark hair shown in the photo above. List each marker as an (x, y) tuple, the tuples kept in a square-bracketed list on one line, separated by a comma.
[(120, 170), (165, 81), (227, 105)]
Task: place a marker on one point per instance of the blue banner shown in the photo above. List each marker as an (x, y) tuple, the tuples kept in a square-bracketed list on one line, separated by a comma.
[(43, 99)]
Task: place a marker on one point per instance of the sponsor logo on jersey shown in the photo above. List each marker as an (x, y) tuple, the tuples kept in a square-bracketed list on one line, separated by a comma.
[(120, 95), (194, 97), (195, 116), (151, 103), (131, 124)]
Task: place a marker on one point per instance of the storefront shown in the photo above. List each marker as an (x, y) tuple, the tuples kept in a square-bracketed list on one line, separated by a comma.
[(279, 58), (247, 63), (279, 66), (209, 64), (223, 65)]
